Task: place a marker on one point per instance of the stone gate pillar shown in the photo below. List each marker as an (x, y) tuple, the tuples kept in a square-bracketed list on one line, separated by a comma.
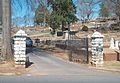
[(20, 48), (97, 48)]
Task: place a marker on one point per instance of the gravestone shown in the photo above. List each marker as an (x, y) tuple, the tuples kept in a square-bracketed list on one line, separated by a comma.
[(112, 43), (20, 48), (97, 48), (117, 45), (66, 35)]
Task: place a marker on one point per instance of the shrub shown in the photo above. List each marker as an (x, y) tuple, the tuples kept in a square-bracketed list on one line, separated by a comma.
[(84, 28)]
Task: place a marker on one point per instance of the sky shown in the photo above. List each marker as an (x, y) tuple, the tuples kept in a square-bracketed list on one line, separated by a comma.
[(96, 9), (24, 16), (21, 14)]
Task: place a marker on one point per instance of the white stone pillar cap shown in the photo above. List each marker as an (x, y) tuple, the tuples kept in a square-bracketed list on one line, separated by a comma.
[(21, 33), (97, 34)]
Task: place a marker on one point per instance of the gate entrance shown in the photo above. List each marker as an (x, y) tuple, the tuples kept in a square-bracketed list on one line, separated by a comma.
[(76, 47)]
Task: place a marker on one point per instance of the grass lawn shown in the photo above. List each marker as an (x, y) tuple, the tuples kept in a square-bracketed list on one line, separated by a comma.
[(112, 64)]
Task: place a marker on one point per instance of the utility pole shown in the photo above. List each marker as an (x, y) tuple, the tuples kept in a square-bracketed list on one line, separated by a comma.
[(0, 30), (44, 19), (6, 26), (87, 50)]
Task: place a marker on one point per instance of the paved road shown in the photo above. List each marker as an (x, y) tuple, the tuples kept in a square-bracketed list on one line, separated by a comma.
[(46, 64), (61, 79), (50, 69)]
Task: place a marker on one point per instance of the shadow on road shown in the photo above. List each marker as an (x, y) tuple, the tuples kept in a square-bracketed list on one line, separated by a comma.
[(28, 51), (32, 49), (29, 64)]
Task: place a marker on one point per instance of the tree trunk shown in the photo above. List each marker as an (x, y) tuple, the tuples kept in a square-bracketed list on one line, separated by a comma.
[(6, 48), (69, 26), (63, 26)]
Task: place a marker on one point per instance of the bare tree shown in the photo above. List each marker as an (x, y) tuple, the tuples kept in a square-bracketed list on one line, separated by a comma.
[(115, 7), (104, 9), (6, 22), (86, 8), (28, 7)]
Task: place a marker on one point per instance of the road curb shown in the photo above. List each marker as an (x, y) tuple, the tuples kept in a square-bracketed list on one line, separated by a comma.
[(106, 69), (7, 74)]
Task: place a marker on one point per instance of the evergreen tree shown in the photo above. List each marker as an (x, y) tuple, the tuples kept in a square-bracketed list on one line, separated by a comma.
[(63, 13)]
